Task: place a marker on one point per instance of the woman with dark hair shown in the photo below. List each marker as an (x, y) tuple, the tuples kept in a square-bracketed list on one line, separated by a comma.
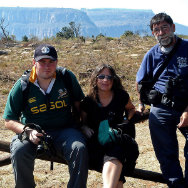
[(107, 99)]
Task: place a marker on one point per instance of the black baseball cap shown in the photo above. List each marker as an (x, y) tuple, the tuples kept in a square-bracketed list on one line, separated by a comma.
[(45, 51)]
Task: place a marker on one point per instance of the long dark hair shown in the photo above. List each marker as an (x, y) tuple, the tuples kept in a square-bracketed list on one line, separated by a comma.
[(93, 90)]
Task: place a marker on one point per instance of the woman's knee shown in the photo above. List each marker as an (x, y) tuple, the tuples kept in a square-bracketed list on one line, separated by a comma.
[(113, 164)]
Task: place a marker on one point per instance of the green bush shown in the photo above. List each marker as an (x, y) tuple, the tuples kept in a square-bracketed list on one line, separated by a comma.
[(127, 34), (25, 38), (72, 31)]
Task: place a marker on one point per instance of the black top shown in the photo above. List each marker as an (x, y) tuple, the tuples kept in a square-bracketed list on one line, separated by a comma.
[(113, 112)]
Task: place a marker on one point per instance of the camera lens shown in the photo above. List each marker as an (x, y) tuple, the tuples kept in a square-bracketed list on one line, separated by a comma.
[(40, 149)]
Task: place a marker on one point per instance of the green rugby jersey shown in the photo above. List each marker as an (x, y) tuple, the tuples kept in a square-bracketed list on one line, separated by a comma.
[(50, 111)]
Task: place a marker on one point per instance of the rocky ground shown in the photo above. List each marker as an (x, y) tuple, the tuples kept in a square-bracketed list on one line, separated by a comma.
[(125, 55)]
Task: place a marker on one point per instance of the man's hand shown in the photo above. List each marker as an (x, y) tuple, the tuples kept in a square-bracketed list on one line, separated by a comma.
[(34, 136), (183, 120), (87, 131)]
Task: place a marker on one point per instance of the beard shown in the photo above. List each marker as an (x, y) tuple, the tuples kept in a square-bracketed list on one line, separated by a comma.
[(166, 39)]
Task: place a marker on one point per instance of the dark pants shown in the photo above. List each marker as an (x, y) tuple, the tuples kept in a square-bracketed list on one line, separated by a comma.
[(126, 152), (163, 126), (69, 144)]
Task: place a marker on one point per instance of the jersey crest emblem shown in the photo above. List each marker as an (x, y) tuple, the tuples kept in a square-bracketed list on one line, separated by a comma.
[(62, 93)]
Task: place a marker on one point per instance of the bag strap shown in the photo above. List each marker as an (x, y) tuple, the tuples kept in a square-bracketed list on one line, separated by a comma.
[(165, 62)]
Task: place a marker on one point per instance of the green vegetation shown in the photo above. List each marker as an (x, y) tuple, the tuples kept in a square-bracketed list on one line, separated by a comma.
[(25, 38), (127, 34), (72, 31), (183, 36), (124, 54), (68, 32)]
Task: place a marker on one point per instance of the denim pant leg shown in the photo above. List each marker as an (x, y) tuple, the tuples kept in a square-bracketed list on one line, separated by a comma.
[(22, 157), (163, 125), (184, 131), (70, 144)]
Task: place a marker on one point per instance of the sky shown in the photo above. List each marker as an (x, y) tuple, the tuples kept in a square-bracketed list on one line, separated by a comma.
[(178, 10)]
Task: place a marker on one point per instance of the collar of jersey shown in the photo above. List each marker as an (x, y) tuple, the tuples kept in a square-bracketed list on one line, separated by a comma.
[(33, 79)]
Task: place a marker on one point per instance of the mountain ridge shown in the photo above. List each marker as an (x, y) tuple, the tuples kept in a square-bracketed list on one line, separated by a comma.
[(46, 22)]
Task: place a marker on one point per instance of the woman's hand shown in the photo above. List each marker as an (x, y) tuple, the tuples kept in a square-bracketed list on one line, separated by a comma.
[(87, 131)]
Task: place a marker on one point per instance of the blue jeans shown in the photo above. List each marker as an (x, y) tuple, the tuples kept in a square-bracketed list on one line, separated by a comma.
[(163, 126), (69, 144)]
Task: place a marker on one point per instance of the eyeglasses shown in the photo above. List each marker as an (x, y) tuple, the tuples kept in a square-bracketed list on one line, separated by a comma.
[(102, 77), (162, 28)]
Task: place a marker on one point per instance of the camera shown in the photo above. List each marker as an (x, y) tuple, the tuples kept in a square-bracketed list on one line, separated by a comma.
[(45, 144), (175, 83), (175, 93), (46, 141)]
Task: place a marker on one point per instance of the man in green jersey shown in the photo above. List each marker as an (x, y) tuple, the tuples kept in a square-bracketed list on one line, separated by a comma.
[(48, 104)]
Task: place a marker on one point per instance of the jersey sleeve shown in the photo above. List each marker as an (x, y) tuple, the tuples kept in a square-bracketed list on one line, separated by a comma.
[(14, 103), (77, 90)]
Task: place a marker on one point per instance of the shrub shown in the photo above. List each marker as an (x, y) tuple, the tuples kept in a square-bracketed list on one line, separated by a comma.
[(72, 31), (25, 38), (127, 34)]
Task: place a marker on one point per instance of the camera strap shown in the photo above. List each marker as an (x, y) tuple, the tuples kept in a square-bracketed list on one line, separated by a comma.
[(165, 62)]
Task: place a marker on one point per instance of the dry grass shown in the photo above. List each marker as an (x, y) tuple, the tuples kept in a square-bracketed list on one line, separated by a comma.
[(125, 55)]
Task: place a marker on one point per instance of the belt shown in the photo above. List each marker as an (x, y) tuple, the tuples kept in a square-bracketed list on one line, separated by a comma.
[(178, 105)]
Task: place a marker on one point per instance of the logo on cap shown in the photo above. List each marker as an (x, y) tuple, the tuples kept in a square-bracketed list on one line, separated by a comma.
[(45, 50)]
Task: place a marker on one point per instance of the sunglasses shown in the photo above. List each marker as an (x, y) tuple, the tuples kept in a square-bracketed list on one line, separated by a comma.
[(102, 77)]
